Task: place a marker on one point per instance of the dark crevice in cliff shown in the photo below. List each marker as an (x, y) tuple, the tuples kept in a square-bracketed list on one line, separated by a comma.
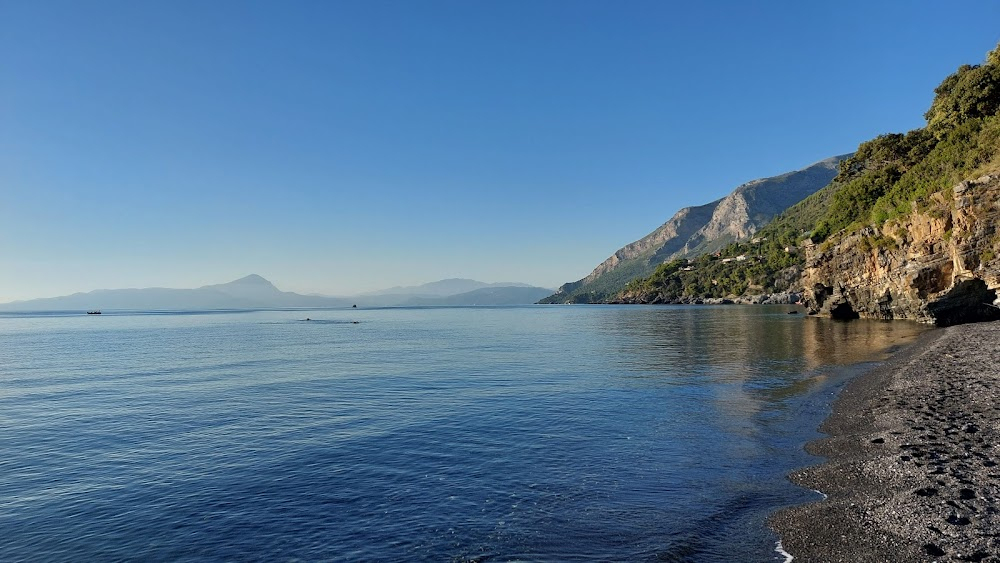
[(844, 312), (969, 301)]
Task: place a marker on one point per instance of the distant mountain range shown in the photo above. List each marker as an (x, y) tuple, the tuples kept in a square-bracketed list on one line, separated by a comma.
[(255, 292), (442, 288), (504, 295), (694, 231)]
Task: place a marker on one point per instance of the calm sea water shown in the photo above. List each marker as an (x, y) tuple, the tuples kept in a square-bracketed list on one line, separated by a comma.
[(452, 434)]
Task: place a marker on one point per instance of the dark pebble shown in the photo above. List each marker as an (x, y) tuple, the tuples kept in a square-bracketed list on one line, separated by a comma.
[(933, 550)]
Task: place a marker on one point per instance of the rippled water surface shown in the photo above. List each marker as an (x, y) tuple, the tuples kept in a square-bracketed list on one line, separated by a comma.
[(489, 434)]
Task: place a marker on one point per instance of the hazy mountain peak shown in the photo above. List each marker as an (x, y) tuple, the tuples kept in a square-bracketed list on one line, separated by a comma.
[(252, 279), (251, 282), (247, 287)]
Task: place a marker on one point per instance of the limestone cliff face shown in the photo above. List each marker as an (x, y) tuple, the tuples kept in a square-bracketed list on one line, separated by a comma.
[(669, 239), (693, 231), (940, 265)]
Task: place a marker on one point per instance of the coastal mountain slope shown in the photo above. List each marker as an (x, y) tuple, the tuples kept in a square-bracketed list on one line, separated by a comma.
[(694, 231), (909, 228)]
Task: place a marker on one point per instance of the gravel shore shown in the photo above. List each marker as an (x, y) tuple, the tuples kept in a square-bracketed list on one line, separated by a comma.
[(912, 456)]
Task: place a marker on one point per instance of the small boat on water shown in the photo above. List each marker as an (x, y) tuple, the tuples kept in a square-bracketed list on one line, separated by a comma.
[(93, 312)]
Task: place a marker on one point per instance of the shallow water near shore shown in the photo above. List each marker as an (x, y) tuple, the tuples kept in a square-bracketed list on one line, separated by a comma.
[(517, 433)]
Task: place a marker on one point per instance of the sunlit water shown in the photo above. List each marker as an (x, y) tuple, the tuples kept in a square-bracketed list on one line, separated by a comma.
[(489, 434)]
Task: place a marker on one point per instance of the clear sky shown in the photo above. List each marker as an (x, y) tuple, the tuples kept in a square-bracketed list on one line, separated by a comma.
[(338, 147)]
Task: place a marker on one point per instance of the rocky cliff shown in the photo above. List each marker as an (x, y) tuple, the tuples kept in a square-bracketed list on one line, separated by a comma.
[(640, 257), (752, 205), (694, 231), (896, 235), (938, 265)]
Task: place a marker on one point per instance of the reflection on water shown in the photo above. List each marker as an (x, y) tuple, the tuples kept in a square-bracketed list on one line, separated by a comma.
[(534, 433), (829, 342), (742, 386), (739, 344)]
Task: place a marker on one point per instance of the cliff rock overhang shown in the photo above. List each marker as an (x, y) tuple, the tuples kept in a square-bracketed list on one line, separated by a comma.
[(939, 265)]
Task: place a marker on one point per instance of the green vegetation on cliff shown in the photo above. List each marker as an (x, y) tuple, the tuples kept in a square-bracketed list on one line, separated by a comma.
[(722, 275), (888, 178)]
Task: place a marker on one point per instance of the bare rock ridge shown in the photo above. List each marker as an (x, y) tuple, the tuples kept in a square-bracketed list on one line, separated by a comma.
[(938, 265), (693, 231)]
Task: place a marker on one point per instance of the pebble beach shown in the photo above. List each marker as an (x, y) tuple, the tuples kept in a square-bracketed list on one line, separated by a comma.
[(911, 459)]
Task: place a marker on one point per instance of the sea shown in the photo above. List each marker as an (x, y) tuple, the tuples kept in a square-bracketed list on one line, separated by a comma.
[(535, 433)]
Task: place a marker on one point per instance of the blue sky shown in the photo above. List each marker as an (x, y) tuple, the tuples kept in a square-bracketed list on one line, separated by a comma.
[(338, 147)]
